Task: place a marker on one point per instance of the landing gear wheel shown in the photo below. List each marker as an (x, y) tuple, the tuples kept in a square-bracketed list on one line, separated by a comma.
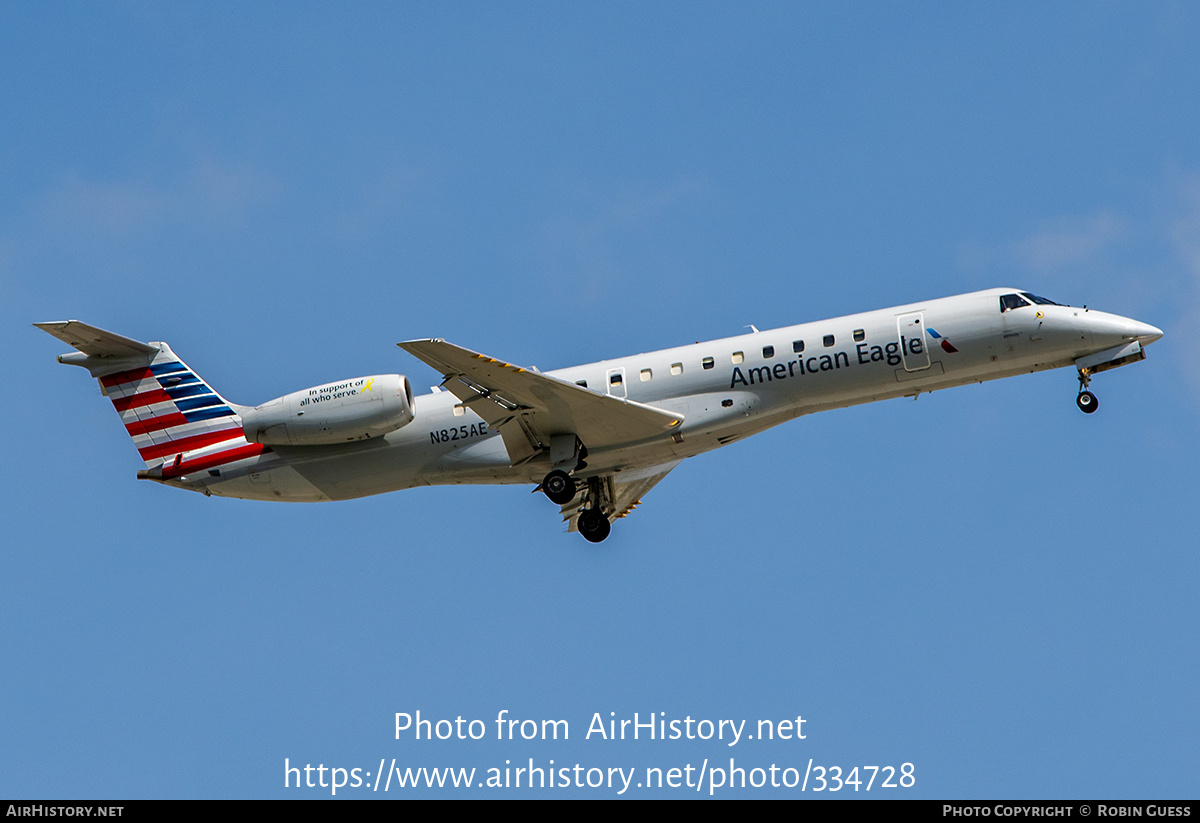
[(559, 487), (1087, 402), (593, 525)]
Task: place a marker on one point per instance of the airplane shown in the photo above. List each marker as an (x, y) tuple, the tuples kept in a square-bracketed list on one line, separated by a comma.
[(593, 438)]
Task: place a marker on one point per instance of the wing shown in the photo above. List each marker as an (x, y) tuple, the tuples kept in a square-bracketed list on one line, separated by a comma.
[(624, 492), (530, 407)]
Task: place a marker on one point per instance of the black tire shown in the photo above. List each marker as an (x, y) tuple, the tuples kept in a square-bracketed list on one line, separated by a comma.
[(1087, 402), (559, 487), (593, 525)]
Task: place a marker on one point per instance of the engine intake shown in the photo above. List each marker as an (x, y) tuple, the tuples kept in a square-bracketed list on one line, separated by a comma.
[(333, 413)]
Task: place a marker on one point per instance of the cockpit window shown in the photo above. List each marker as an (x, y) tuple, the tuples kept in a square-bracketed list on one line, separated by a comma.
[(1041, 301), (1012, 301)]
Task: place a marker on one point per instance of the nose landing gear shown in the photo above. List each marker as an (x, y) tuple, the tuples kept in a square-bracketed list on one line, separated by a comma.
[(1086, 401)]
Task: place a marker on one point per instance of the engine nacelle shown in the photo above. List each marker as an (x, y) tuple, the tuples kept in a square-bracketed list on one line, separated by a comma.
[(333, 413)]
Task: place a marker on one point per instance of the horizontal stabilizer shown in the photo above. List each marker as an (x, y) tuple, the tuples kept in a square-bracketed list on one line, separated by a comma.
[(95, 342)]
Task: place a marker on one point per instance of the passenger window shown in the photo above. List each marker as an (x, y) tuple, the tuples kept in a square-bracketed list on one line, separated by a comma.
[(707, 362), (738, 357), (768, 352), (459, 411), (859, 335), (581, 383), (646, 374), (828, 340), (797, 346), (676, 368), (615, 378)]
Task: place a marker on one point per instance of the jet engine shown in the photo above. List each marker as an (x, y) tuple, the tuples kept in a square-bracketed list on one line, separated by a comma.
[(333, 413)]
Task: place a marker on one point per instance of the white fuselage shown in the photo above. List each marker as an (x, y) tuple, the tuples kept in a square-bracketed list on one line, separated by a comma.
[(725, 389)]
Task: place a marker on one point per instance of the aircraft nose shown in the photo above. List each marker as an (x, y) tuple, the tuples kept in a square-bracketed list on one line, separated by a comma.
[(1112, 329), (1146, 333)]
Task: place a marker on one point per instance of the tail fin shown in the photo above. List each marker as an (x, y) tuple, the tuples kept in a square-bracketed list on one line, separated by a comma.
[(178, 423)]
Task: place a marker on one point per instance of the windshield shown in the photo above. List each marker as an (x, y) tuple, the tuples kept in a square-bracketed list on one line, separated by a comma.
[(1012, 301)]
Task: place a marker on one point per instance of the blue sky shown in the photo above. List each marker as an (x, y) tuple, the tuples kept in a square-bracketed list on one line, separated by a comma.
[(984, 582)]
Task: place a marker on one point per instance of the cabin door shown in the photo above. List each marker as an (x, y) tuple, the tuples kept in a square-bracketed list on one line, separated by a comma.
[(911, 329)]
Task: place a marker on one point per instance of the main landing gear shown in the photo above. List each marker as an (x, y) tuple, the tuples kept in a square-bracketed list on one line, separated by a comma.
[(561, 488), (1086, 401), (594, 525)]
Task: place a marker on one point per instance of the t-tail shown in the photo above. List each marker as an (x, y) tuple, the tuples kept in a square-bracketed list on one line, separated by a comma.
[(178, 423)]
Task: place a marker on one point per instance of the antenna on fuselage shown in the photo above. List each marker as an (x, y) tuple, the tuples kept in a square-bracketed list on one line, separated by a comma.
[(752, 327)]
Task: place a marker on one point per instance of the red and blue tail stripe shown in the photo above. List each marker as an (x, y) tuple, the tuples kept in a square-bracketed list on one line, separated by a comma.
[(176, 420)]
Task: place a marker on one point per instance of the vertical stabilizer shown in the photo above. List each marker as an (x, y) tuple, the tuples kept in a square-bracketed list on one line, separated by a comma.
[(178, 423)]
